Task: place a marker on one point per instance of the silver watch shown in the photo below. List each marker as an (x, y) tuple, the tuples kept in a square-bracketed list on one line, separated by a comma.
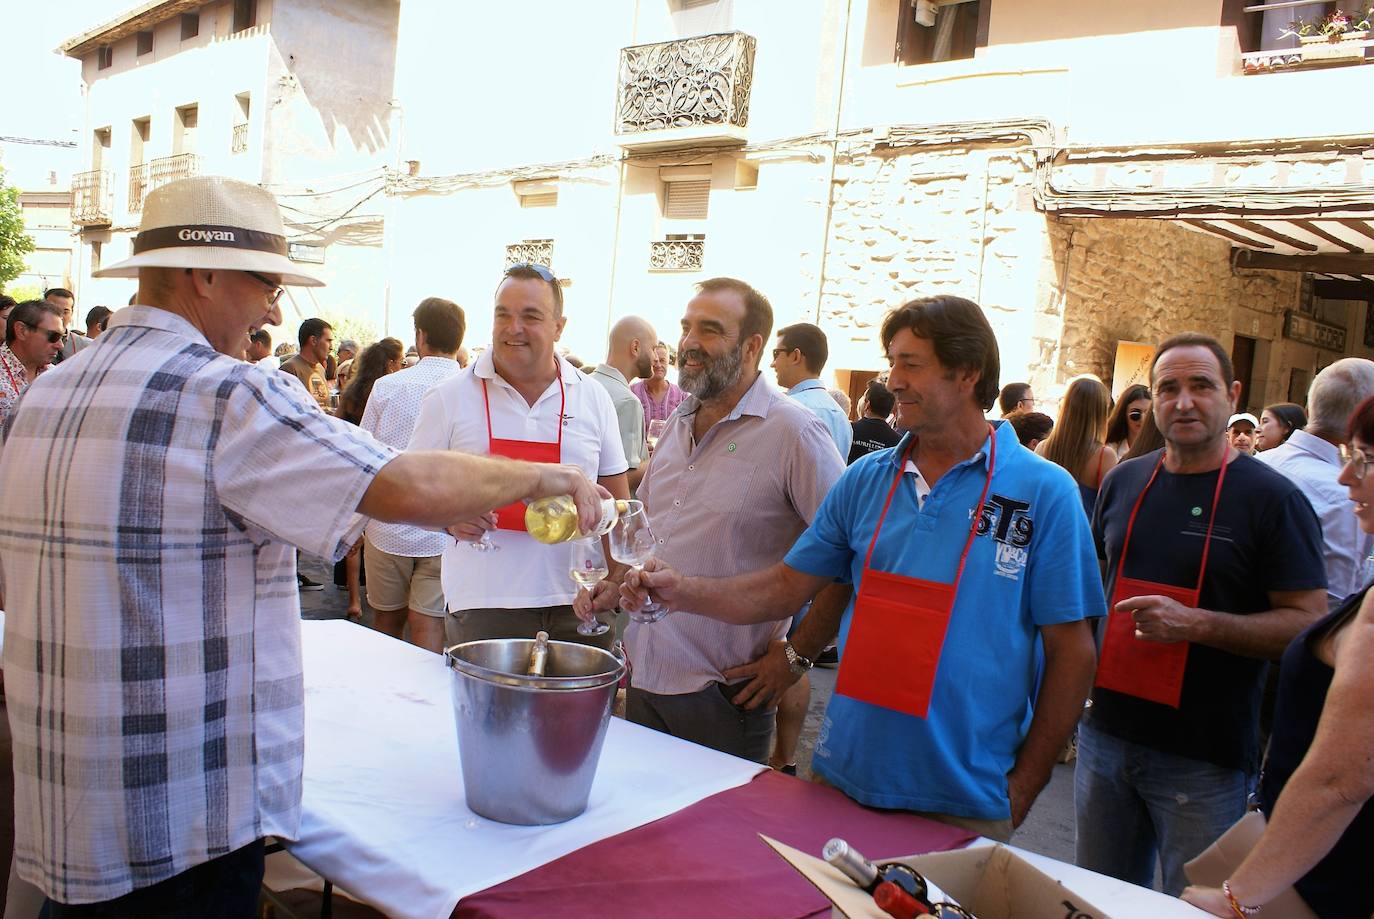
[(795, 662)]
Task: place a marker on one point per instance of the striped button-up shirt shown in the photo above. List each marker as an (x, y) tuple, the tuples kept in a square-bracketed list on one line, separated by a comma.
[(14, 379), (154, 490), (731, 503)]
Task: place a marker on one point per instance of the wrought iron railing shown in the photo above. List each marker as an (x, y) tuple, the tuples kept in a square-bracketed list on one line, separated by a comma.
[(138, 187), (238, 143), (530, 252), (677, 254), (92, 194), (166, 169), (703, 80)]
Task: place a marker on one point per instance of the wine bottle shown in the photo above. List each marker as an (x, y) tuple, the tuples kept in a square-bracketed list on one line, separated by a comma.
[(897, 903), (867, 876), (554, 520), (539, 655)]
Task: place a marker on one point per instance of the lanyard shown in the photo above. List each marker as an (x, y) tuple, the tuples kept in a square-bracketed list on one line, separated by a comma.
[(1211, 519), (562, 404), (977, 514), (18, 387)]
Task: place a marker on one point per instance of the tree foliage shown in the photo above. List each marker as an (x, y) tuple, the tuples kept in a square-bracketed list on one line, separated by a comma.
[(14, 242)]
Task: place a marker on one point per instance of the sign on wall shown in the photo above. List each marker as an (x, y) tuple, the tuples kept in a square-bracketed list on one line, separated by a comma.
[(1132, 366), (1312, 331)]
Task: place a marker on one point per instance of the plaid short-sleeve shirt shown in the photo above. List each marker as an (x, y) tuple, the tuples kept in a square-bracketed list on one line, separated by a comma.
[(152, 495)]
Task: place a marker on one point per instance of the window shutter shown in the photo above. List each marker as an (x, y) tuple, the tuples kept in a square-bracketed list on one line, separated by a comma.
[(687, 199)]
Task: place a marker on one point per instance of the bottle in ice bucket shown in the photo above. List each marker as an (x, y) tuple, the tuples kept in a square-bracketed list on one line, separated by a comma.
[(554, 520)]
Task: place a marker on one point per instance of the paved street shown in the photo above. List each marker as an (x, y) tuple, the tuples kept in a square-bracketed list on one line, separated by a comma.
[(1048, 830)]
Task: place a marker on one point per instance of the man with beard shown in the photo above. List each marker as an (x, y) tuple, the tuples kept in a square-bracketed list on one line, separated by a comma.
[(629, 356), (970, 556), (737, 474)]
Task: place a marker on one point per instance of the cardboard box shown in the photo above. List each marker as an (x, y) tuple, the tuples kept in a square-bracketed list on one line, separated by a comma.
[(989, 881)]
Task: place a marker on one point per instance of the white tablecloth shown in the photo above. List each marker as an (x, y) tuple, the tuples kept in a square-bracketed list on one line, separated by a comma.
[(383, 814)]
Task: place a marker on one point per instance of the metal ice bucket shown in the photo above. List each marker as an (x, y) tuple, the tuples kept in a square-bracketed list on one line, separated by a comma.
[(529, 745)]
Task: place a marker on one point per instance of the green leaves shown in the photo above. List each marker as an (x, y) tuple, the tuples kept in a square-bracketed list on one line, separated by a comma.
[(14, 242)]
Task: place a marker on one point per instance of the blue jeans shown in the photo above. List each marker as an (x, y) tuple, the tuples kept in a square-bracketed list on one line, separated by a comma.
[(1133, 802)]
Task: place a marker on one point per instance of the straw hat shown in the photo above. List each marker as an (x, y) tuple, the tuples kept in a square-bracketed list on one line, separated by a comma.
[(211, 222)]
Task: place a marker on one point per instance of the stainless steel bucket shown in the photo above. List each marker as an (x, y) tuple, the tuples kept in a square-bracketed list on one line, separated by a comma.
[(529, 745)]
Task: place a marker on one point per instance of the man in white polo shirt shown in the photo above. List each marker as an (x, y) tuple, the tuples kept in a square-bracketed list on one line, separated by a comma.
[(520, 400)]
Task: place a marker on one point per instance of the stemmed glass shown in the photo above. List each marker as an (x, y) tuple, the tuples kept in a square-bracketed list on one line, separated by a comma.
[(632, 543), (587, 568), (655, 432)]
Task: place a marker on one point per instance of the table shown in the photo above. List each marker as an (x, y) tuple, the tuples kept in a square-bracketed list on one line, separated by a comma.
[(671, 827)]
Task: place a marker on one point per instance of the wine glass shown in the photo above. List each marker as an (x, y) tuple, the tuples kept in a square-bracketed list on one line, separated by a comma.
[(632, 543), (655, 432), (587, 568), (485, 544)]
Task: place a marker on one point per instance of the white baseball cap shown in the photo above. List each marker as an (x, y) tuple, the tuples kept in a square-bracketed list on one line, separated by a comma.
[(1242, 416)]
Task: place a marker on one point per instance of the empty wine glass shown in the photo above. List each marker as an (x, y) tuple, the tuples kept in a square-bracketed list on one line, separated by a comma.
[(632, 543), (655, 432), (587, 568)]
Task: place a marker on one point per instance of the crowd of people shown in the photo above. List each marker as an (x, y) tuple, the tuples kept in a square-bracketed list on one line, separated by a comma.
[(1124, 572)]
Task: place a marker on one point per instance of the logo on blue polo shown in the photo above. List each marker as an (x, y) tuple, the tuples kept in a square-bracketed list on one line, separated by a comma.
[(1010, 524)]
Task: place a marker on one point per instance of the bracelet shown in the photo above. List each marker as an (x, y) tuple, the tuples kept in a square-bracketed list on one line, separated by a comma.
[(1243, 912)]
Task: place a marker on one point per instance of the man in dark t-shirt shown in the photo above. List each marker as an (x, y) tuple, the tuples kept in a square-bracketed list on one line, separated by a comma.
[(871, 431), (1168, 747)]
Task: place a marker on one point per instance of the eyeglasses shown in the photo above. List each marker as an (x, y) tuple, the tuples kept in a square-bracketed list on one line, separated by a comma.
[(1135, 414), (778, 352), (277, 289), (1355, 460), (53, 337), (1030, 402), (544, 273)]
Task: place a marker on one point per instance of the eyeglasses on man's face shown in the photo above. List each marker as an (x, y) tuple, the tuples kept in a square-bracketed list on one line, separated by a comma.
[(1355, 460), (277, 289), (779, 352), (53, 335)]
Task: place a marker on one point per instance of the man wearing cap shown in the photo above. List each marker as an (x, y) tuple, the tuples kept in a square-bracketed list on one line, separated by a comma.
[(1213, 565), (155, 494), (520, 399), (1240, 432)]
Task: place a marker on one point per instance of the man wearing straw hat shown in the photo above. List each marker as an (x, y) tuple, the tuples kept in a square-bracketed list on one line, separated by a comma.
[(155, 493)]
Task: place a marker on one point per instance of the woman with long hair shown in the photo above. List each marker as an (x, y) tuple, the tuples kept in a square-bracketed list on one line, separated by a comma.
[(1148, 439), (1277, 424), (376, 361), (1077, 441), (1124, 425)]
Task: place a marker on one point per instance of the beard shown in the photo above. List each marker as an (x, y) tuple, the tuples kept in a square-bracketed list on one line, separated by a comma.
[(717, 375), (644, 367)]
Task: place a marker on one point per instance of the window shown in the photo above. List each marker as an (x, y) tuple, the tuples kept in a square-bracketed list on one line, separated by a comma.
[(245, 14), (184, 131), (138, 140), (145, 43), (239, 139), (940, 30), (701, 17), (686, 199), (190, 25), (537, 193), (100, 148), (104, 57), (95, 256)]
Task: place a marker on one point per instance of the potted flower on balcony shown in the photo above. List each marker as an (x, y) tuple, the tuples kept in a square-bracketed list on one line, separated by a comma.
[(1338, 35)]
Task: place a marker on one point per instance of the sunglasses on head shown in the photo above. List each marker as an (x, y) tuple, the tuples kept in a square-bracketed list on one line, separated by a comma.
[(53, 337), (544, 273)]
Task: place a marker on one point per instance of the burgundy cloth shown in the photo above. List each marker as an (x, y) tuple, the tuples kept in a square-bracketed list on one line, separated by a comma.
[(707, 859)]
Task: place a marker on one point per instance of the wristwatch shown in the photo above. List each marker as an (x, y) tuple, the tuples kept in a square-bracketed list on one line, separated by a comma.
[(795, 662)]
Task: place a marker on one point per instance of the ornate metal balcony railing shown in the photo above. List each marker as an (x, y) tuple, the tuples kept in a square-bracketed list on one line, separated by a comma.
[(92, 195), (138, 187), (530, 252), (677, 253), (691, 82), (239, 142), (166, 169)]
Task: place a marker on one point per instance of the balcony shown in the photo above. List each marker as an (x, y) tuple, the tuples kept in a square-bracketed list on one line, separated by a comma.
[(678, 252), (685, 93), (92, 195), (166, 169), (238, 143), (138, 187)]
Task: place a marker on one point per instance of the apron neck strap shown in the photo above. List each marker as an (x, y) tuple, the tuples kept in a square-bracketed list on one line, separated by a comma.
[(562, 404), (1211, 518)]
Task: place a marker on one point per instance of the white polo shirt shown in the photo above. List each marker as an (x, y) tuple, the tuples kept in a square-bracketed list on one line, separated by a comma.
[(525, 573)]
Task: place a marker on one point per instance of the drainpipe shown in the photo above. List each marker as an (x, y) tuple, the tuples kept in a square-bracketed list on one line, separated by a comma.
[(834, 150)]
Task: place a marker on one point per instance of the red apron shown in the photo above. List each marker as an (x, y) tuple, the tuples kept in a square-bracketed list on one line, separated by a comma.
[(899, 623), (512, 516), (1150, 670)]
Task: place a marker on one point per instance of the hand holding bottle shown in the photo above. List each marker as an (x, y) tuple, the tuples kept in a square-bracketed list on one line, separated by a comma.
[(565, 479)]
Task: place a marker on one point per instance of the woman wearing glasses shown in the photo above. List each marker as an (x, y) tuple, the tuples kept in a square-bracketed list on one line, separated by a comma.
[(1277, 424), (1317, 783), (1124, 426)]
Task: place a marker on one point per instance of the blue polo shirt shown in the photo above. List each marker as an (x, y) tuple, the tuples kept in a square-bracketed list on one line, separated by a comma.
[(813, 394), (1032, 564)]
